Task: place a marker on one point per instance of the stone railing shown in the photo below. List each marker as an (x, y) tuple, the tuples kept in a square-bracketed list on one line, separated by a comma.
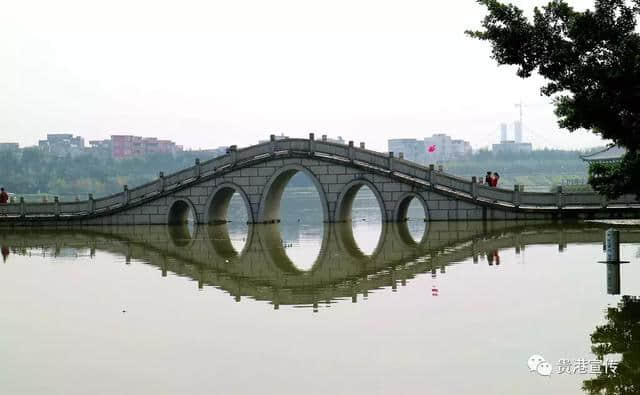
[(387, 163)]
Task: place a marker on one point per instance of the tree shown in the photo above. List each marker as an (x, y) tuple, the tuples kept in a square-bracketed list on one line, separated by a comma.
[(591, 60), (621, 336)]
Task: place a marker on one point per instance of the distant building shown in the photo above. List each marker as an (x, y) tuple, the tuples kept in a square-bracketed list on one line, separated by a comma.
[(9, 147), (62, 144), (100, 148), (412, 149), (611, 154), (128, 146), (517, 131), (503, 132), (512, 147), (444, 148)]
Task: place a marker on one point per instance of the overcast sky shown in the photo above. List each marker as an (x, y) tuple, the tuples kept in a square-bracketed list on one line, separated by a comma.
[(213, 73)]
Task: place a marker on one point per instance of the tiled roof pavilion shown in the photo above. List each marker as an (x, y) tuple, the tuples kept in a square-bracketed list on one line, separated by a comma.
[(610, 154)]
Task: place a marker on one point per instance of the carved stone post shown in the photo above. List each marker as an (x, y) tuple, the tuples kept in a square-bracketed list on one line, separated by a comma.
[(351, 154), (432, 175), (91, 204), (161, 182), (560, 199), (390, 166), (516, 195), (22, 208), (362, 145), (125, 195), (233, 153), (312, 138), (56, 206), (197, 169), (604, 202), (272, 144), (474, 187)]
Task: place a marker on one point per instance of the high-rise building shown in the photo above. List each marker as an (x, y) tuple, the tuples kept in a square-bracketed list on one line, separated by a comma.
[(503, 132), (517, 130), (445, 148), (512, 146)]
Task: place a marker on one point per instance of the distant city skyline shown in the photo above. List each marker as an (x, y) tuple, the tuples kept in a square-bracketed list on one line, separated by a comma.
[(224, 73)]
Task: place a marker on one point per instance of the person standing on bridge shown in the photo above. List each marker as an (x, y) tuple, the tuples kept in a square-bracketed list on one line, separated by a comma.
[(4, 199), (487, 179), (4, 196), (494, 180)]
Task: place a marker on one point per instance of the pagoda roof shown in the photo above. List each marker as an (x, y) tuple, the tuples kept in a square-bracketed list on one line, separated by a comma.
[(613, 153)]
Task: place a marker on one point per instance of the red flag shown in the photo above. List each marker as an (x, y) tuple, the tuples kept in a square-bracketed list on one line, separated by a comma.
[(432, 148)]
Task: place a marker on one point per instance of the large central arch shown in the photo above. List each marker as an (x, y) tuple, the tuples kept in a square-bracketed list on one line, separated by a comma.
[(269, 210)]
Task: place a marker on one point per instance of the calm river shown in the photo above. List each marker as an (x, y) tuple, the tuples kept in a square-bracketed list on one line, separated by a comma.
[(303, 307)]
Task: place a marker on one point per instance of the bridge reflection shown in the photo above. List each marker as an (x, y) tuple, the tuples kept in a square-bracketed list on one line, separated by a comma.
[(262, 270)]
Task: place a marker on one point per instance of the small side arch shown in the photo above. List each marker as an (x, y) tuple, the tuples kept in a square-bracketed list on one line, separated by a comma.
[(269, 210), (402, 207), (217, 206), (178, 213), (346, 197)]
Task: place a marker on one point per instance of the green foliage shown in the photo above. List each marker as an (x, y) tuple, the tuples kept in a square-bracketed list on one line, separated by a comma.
[(32, 171), (620, 335), (537, 170), (615, 179), (591, 60)]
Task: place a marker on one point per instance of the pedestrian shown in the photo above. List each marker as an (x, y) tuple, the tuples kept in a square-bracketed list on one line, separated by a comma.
[(495, 178), (4, 196), (487, 179)]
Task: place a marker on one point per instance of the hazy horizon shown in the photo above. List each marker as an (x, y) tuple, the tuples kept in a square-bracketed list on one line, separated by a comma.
[(207, 74)]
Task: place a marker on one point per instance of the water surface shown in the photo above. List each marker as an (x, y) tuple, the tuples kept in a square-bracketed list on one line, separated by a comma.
[(306, 307)]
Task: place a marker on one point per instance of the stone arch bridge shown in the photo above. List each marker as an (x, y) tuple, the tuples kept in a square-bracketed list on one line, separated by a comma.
[(260, 173)]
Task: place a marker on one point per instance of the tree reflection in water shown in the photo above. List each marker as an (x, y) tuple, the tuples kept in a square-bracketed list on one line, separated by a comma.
[(619, 336)]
